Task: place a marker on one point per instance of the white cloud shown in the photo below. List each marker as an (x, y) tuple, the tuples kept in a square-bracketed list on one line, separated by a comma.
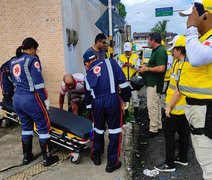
[(141, 14)]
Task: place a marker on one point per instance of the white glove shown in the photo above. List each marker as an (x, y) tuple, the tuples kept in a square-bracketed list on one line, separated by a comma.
[(47, 103)]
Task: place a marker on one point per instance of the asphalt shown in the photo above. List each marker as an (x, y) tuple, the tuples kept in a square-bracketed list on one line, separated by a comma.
[(151, 152), (11, 157)]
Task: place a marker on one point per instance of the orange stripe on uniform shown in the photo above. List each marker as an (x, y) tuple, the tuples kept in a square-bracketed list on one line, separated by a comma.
[(46, 115), (120, 134)]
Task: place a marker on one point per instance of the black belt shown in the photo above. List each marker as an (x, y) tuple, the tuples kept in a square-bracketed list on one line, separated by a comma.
[(200, 102), (197, 131)]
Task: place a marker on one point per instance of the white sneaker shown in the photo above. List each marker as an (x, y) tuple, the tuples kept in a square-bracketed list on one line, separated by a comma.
[(178, 161)]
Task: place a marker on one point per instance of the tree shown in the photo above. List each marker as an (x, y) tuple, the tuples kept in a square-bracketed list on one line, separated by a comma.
[(122, 10), (160, 27)]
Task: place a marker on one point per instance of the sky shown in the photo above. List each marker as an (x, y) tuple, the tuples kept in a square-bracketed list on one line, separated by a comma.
[(141, 14)]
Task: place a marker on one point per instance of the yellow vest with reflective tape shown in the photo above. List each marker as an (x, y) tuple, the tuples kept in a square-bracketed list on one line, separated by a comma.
[(167, 75), (196, 82), (133, 60), (179, 107)]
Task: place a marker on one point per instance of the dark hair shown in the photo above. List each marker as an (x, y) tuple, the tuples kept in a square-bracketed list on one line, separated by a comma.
[(27, 43), (155, 36), (182, 49), (100, 37)]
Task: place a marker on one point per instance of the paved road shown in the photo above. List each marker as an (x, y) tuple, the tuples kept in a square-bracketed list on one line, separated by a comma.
[(148, 153)]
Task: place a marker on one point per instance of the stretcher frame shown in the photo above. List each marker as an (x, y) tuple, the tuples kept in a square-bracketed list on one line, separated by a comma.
[(57, 136)]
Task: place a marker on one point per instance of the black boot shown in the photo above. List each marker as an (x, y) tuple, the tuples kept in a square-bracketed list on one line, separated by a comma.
[(96, 159), (27, 151), (48, 159), (110, 168)]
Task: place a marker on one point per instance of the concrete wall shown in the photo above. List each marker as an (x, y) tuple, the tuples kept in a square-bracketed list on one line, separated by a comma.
[(46, 21), (79, 15)]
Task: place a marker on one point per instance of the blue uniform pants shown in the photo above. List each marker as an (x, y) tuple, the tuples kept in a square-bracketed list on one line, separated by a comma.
[(30, 110), (107, 109)]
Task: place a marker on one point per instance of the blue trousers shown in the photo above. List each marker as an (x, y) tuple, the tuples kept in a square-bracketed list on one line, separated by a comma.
[(107, 109), (30, 110)]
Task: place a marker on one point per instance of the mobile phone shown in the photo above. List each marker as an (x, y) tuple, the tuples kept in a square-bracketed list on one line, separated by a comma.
[(200, 8)]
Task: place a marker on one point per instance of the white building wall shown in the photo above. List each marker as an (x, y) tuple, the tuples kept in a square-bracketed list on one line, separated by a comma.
[(81, 16)]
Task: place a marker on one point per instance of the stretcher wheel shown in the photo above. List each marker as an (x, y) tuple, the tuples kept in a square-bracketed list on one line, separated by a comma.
[(75, 158)]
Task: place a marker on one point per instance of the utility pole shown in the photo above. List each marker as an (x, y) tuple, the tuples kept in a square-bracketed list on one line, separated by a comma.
[(110, 28)]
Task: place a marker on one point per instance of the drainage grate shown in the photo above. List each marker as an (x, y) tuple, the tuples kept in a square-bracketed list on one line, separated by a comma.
[(37, 168)]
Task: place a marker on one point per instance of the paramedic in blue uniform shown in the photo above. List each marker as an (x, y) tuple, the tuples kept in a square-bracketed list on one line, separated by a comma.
[(7, 89), (31, 100), (103, 82)]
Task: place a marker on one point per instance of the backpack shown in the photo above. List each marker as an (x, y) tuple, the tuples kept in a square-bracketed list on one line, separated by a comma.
[(6, 79)]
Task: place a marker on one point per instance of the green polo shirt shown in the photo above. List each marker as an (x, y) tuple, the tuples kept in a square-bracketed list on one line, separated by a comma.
[(158, 57)]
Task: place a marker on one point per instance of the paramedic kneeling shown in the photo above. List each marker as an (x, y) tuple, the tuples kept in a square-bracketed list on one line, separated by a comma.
[(195, 83), (31, 101), (102, 83)]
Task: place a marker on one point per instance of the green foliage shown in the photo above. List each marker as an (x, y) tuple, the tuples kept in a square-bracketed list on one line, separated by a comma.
[(122, 10), (160, 27)]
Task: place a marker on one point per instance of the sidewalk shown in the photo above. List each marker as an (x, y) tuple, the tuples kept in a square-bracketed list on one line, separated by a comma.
[(11, 155)]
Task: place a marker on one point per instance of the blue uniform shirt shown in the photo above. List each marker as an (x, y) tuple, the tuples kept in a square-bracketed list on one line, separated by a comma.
[(105, 77), (27, 76)]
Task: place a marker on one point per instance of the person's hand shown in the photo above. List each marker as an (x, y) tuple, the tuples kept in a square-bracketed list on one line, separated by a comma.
[(128, 64), (142, 69), (194, 19), (168, 110), (125, 105), (47, 103)]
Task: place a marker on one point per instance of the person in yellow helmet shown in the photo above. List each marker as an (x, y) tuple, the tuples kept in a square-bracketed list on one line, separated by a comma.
[(130, 62), (175, 120), (196, 81)]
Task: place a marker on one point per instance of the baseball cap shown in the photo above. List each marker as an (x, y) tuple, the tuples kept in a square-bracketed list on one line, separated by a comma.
[(88, 55), (178, 41), (207, 4), (127, 46)]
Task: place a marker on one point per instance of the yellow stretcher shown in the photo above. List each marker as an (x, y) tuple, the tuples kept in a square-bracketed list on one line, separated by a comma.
[(67, 130)]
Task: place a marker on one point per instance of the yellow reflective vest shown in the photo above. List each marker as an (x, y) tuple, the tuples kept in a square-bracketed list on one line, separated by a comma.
[(179, 107), (196, 82), (133, 60), (167, 75)]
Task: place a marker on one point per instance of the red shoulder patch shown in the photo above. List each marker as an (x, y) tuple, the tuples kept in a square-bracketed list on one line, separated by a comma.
[(97, 70), (17, 70), (37, 65), (207, 43)]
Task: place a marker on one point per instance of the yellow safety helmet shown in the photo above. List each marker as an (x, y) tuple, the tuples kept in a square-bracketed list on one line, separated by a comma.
[(178, 41)]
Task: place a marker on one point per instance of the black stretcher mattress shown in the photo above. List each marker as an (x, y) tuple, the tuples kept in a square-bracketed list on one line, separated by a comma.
[(70, 123), (63, 120)]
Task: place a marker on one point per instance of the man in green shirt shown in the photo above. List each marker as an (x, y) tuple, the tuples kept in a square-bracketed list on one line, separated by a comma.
[(154, 73)]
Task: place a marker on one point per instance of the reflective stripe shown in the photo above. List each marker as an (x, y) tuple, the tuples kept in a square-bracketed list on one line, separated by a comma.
[(111, 76), (44, 136), (28, 76), (196, 90), (124, 85), (95, 66), (178, 108), (17, 61), (27, 132), (115, 131), (172, 87), (98, 131), (39, 86), (89, 88), (88, 106)]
